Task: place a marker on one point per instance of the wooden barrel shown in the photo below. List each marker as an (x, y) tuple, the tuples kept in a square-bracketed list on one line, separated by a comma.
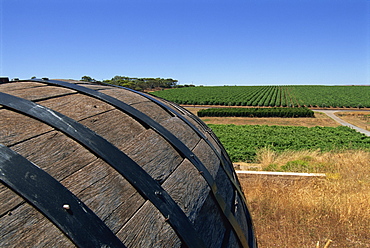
[(94, 165)]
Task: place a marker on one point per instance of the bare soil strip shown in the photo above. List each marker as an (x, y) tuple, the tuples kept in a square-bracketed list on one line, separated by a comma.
[(319, 120)]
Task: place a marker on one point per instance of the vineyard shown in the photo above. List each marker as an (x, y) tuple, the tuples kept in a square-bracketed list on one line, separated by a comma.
[(257, 112), (271, 96), (243, 141)]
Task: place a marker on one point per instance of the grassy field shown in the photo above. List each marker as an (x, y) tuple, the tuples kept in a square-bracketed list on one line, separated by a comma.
[(329, 212)]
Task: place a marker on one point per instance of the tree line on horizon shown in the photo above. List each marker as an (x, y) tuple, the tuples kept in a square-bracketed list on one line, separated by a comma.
[(140, 84)]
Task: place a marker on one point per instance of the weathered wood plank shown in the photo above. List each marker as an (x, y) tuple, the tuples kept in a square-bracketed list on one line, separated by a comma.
[(77, 106), (105, 192), (207, 157), (201, 208), (55, 153), (92, 85), (125, 96), (153, 111), (17, 127), (19, 86), (60, 156), (153, 154), (27, 227), (225, 188), (115, 126), (182, 131), (148, 228), (188, 188), (9, 200), (214, 143), (121, 94), (186, 114), (123, 212), (183, 112), (209, 223), (36, 93)]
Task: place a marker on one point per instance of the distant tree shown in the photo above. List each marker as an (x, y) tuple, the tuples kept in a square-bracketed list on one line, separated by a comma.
[(87, 79), (142, 84)]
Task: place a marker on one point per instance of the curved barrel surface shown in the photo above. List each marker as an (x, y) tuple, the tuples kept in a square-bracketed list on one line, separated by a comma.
[(93, 165)]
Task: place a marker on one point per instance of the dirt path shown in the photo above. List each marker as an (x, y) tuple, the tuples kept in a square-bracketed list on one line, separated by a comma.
[(331, 114)]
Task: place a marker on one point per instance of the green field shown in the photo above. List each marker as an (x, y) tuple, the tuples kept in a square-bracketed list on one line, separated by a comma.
[(274, 96), (243, 141), (257, 112)]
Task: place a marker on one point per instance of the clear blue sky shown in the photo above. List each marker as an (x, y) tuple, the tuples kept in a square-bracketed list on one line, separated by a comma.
[(204, 42)]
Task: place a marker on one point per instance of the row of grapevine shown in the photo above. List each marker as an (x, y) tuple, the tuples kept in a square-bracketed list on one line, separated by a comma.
[(268, 96), (243, 141), (332, 96), (256, 112), (272, 96)]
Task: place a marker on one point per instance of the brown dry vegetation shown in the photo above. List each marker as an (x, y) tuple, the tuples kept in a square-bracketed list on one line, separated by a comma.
[(360, 119), (309, 212)]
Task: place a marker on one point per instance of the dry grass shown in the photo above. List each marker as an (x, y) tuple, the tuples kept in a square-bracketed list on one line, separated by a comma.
[(308, 213), (360, 119)]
